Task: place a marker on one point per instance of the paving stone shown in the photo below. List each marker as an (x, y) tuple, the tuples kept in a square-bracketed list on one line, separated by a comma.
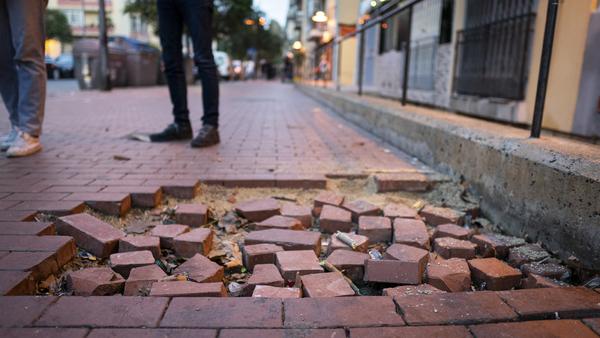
[(266, 291), (197, 241), (455, 308), (411, 290), (575, 302), (139, 243), (40, 264), (536, 281), (534, 329), (259, 254), (167, 233), (264, 274), (279, 222), (258, 210), (449, 247), (17, 215), (141, 196), (452, 230), (27, 228), (351, 263), (62, 246), (494, 274), (411, 232), (411, 332), (223, 313), (451, 275), (329, 284), (436, 215), (201, 269), (593, 323), (46, 332), (402, 264), (187, 289), (334, 219), (100, 281), (123, 262), (550, 270), (376, 228), (362, 243), (299, 262), (140, 280), (99, 238), (394, 210), (407, 181), (287, 239), (495, 245), (194, 215), (340, 312), (104, 312), (153, 333), (115, 204), (328, 198), (54, 208), (282, 333), (526, 254), (361, 208), (16, 311), (301, 213), (16, 283), (179, 188)]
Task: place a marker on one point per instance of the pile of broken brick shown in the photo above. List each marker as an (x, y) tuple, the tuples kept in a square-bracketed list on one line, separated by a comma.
[(334, 248)]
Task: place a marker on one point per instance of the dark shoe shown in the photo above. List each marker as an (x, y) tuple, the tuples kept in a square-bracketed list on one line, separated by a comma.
[(207, 136), (173, 132)]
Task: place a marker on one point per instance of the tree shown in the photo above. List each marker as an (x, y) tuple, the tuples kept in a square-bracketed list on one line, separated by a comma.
[(57, 26)]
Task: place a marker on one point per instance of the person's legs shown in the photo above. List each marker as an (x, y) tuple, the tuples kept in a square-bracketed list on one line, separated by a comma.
[(9, 84)]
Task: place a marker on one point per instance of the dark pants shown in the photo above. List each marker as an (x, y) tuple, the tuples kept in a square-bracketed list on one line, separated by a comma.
[(197, 16)]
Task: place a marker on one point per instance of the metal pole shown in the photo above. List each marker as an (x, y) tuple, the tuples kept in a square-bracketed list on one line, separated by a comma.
[(406, 60), (361, 60), (339, 65), (540, 96), (103, 52)]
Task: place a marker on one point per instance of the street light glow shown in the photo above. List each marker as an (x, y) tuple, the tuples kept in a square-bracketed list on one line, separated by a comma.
[(249, 22), (297, 45), (319, 17)]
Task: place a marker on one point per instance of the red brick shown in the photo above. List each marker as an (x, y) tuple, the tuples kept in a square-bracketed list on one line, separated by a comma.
[(402, 264), (436, 215), (411, 232), (411, 290), (201, 269), (494, 274), (304, 181), (266, 291), (351, 263), (301, 213), (526, 254), (361, 241), (534, 329), (452, 230), (187, 289), (153, 333), (411, 332), (223, 312), (249, 181), (408, 181), (550, 270), (90, 233), (287, 239), (178, 188), (46, 332), (258, 210), (140, 280), (55, 208), (329, 284), (73, 188), (340, 312), (115, 204), (167, 233), (27, 228), (259, 254), (193, 215), (334, 219), (455, 308), (449, 247), (141, 196), (264, 274), (104, 312), (123, 262), (495, 245), (328, 198), (376, 228), (41, 264), (62, 246), (139, 243), (16, 283), (8, 204), (361, 208), (35, 196), (299, 262), (100, 281), (536, 281), (395, 210), (16, 311), (279, 222), (282, 333), (451, 275), (575, 302), (17, 215), (197, 241), (593, 323)]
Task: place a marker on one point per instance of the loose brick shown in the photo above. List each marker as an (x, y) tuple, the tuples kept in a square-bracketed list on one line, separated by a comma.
[(451, 275), (376, 228), (264, 274), (411, 332), (266, 291), (104, 312), (259, 254), (46, 332), (495, 245), (334, 219), (329, 284), (193, 215), (287, 239), (452, 230), (223, 312), (411, 232), (123, 262), (340, 312), (17, 215), (167, 233), (282, 333), (201, 269), (141, 279), (101, 281), (436, 215), (41, 264), (550, 270), (526, 254), (449, 247), (361, 208), (16, 283), (575, 302), (301, 213), (27, 228), (258, 210), (362, 243), (351, 263), (153, 333), (139, 243), (494, 274), (395, 210), (19, 311), (62, 246), (534, 329), (455, 308), (187, 289), (328, 198), (279, 222), (300, 262), (407, 181), (536, 281), (115, 204), (403, 264), (411, 290), (54, 208), (197, 241), (178, 188), (90, 233), (141, 196)]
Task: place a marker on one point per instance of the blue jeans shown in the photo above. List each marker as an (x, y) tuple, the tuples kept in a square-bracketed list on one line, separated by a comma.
[(197, 16)]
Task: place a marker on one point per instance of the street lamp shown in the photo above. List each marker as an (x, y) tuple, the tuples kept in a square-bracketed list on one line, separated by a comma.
[(319, 17), (297, 45)]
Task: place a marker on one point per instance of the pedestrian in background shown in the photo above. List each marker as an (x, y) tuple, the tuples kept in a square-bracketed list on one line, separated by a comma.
[(22, 74)]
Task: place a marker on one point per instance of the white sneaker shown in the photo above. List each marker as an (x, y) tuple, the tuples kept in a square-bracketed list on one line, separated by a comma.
[(24, 145), (8, 139)]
